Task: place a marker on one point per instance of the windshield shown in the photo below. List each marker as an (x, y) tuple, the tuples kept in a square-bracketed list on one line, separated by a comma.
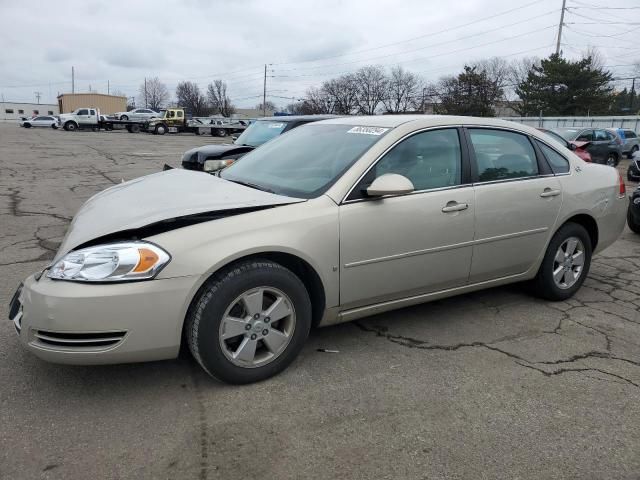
[(567, 133), (306, 161), (260, 132)]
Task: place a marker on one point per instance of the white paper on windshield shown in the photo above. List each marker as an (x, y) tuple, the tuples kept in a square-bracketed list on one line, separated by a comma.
[(368, 130), (276, 125)]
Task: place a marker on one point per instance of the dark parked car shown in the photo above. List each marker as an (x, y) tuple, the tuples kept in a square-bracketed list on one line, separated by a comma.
[(633, 213), (604, 146), (579, 148), (211, 158), (633, 172)]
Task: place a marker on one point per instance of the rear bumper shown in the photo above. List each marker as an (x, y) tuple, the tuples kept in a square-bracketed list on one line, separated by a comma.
[(73, 323)]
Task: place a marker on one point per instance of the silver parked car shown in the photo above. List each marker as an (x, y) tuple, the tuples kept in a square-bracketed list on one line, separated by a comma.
[(629, 141), (40, 121), (331, 222), (138, 115)]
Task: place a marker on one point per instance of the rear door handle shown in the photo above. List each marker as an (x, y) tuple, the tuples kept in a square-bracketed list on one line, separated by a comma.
[(550, 193), (455, 207)]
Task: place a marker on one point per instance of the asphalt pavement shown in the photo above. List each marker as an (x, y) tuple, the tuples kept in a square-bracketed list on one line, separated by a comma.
[(495, 384)]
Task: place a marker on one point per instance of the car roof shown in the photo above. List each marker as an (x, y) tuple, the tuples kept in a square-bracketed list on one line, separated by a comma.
[(392, 121), (296, 118)]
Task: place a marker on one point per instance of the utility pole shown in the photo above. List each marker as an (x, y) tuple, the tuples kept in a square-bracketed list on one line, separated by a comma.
[(108, 89), (264, 93), (145, 92), (632, 94), (564, 7), (38, 94), (73, 81)]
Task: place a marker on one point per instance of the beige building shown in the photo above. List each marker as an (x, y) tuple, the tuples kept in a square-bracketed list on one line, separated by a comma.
[(107, 104)]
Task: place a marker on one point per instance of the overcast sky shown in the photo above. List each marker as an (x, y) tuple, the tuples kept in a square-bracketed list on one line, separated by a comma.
[(305, 42)]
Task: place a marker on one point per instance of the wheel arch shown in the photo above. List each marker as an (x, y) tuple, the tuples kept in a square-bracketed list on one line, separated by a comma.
[(300, 267), (590, 225)]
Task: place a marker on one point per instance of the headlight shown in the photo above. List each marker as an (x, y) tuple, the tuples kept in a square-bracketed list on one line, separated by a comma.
[(115, 262), (215, 165)]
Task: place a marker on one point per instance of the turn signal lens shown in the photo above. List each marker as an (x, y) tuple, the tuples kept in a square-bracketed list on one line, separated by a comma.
[(148, 258)]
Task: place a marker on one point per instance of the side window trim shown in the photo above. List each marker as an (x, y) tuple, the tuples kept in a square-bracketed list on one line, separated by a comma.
[(544, 169), (465, 180)]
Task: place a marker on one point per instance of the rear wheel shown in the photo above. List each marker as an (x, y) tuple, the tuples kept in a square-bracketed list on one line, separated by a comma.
[(135, 128), (631, 221), (249, 322), (124, 117), (54, 126), (27, 125), (565, 264), (612, 160), (221, 132)]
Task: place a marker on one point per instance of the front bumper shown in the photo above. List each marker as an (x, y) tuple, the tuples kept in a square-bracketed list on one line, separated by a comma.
[(75, 323)]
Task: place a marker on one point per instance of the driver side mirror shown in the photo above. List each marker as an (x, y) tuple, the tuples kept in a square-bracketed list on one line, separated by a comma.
[(390, 184)]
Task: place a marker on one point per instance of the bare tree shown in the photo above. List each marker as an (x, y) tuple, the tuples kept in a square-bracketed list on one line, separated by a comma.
[(269, 106), (219, 100), (372, 83), (190, 98), (342, 94), (402, 88), (153, 94), (318, 101)]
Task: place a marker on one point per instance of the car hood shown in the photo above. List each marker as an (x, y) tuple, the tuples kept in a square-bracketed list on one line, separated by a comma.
[(168, 195), (214, 152)]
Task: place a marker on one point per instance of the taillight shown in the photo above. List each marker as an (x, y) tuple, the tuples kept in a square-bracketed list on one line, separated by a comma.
[(622, 188)]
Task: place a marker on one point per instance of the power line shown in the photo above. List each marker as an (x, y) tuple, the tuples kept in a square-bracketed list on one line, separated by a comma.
[(414, 38)]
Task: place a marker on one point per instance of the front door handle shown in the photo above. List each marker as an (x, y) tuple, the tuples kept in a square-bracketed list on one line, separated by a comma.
[(455, 207), (550, 193)]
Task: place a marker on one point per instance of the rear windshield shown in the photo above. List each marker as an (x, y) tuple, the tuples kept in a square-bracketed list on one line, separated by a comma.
[(305, 161)]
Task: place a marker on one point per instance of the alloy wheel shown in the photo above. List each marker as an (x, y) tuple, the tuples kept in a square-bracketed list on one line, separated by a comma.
[(257, 327), (568, 263)]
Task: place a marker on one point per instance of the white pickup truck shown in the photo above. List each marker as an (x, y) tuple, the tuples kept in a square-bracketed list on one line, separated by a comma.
[(80, 118)]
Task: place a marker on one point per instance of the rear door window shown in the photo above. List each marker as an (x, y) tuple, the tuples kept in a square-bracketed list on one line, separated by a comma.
[(630, 134), (601, 136), (585, 136), (502, 154)]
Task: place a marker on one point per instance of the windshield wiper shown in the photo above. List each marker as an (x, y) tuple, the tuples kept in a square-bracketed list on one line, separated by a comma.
[(251, 185)]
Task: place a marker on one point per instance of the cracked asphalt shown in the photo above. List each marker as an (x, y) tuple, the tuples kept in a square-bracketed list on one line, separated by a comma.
[(495, 384)]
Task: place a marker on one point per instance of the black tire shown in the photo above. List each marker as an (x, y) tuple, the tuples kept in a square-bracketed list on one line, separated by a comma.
[(202, 324), (27, 125), (124, 118), (135, 128), (160, 129), (612, 160), (54, 126), (221, 132), (632, 151), (633, 225), (70, 126), (544, 285)]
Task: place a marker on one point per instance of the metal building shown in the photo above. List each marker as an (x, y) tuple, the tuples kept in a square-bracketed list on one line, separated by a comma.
[(107, 104), (16, 110)]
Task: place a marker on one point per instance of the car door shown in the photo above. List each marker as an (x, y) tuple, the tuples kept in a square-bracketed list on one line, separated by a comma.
[(593, 148), (38, 122), (602, 142), (397, 246), (517, 200)]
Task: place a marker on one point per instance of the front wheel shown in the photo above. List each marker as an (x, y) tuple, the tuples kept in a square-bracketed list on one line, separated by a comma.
[(27, 125), (249, 322), (160, 130), (565, 264), (632, 152), (612, 160), (70, 126), (54, 126)]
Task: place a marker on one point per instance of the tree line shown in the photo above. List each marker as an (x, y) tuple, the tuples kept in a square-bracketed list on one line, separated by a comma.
[(552, 86)]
